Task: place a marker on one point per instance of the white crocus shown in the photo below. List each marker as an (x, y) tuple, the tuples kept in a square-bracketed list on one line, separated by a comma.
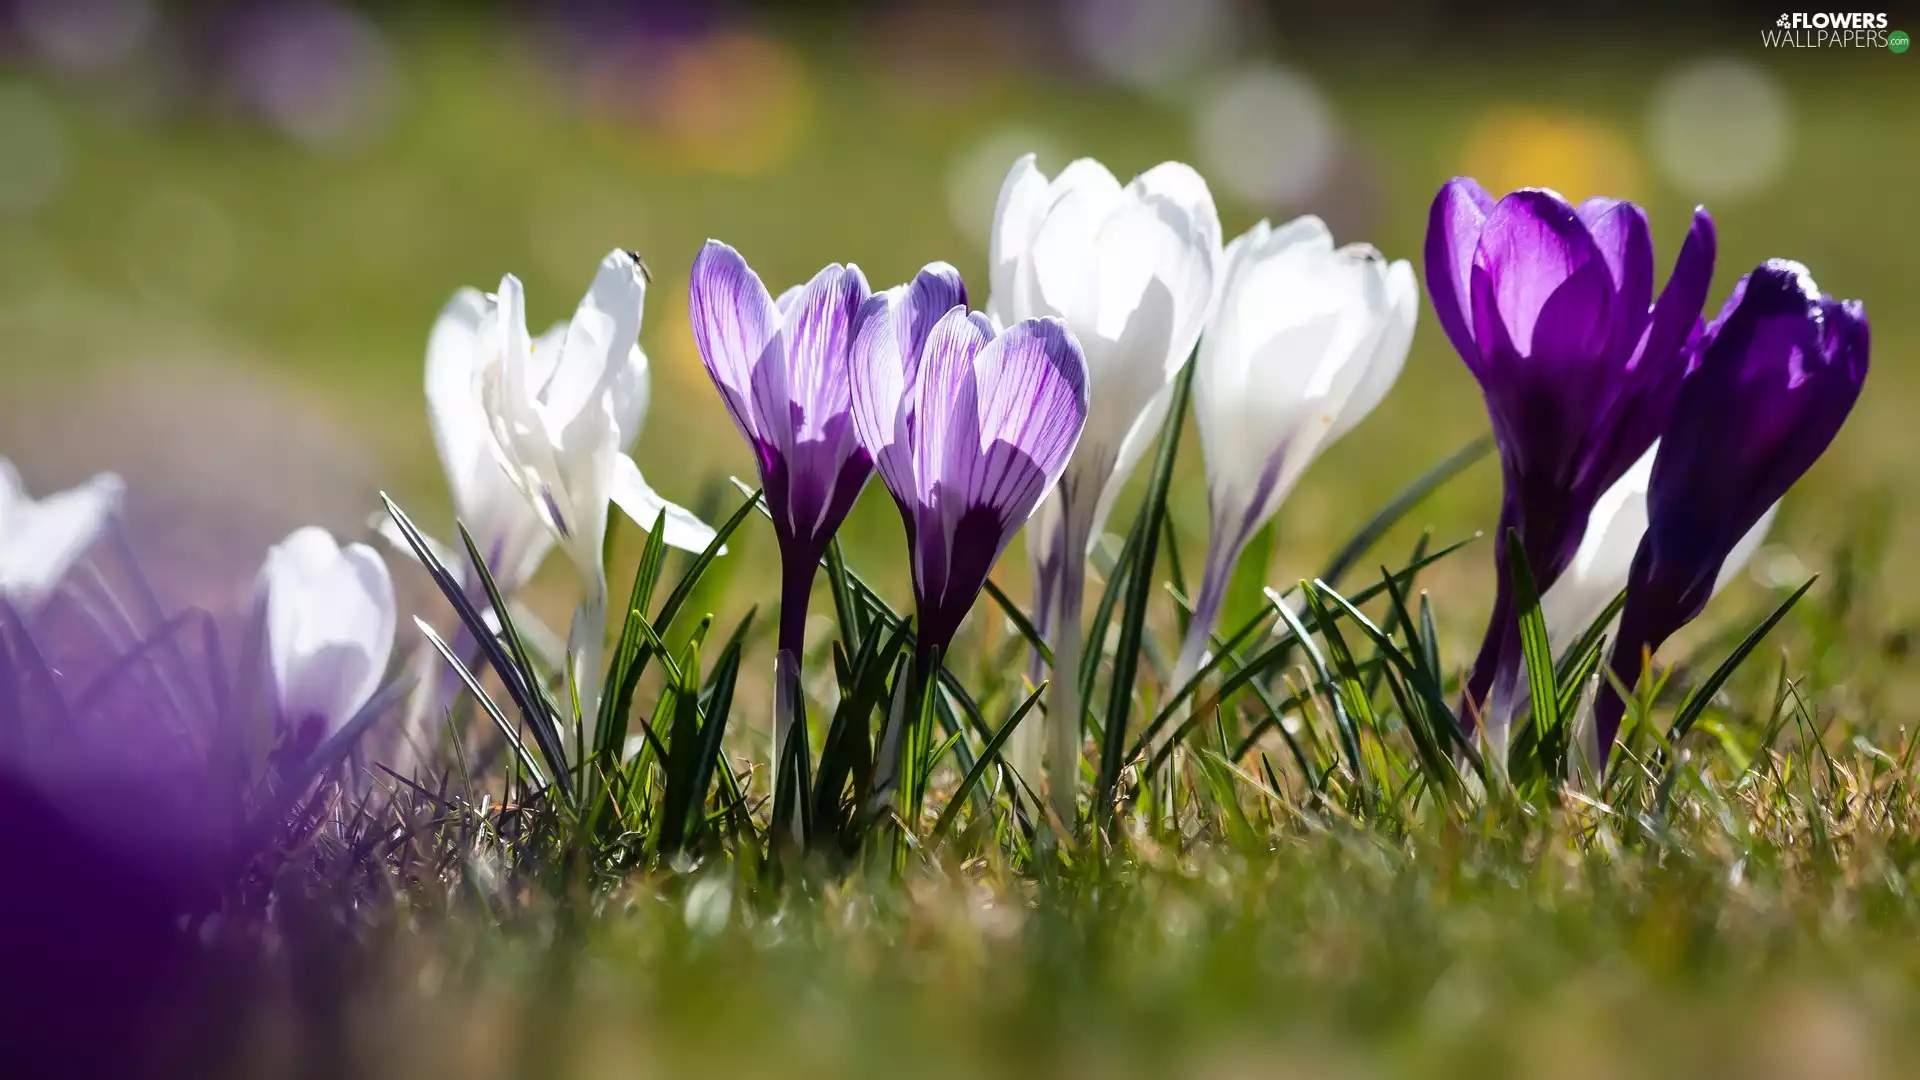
[(41, 539), (1304, 342), (1131, 270), (561, 417), (329, 632), (1605, 557)]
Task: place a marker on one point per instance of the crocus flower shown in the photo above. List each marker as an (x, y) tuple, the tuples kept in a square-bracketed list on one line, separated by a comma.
[(1779, 371), (968, 428), (1131, 271), (781, 369), (1305, 341), (1599, 568), (561, 420), (41, 539), (1551, 307), (330, 618)]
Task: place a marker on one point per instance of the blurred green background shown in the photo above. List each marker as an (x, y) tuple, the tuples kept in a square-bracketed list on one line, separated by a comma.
[(225, 230)]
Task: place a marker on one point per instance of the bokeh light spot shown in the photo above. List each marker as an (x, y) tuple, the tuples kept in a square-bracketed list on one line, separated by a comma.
[(1575, 155), (1150, 44), (973, 180), (1267, 136), (322, 75), (1720, 127)]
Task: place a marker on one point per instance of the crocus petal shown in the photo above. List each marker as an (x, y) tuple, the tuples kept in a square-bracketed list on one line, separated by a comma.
[(1620, 233), (600, 337), (1057, 275), (1778, 374), (330, 625), (1454, 224), (1017, 213), (735, 322), (634, 496), (1389, 351), (453, 400), (40, 541), (1540, 284)]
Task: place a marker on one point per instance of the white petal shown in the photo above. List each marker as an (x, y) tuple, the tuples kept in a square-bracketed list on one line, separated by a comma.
[(40, 541), (330, 625), (604, 330), (1604, 559), (1016, 215), (454, 357), (641, 503), (1058, 275), (1389, 351)]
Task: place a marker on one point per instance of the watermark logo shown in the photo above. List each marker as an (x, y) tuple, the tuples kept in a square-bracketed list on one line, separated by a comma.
[(1833, 29)]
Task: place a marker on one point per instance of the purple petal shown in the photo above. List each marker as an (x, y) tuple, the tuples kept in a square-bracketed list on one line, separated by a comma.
[(1453, 233), (1619, 230), (1548, 284), (1676, 315), (735, 323), (944, 407), (934, 291), (1781, 369)]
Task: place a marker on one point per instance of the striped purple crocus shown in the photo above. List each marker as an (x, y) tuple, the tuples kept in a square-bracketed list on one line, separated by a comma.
[(1552, 308), (1779, 371), (968, 428), (782, 369)]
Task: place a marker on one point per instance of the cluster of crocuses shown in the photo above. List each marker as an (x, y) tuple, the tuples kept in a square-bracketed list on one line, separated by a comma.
[(1034, 412), (1639, 448)]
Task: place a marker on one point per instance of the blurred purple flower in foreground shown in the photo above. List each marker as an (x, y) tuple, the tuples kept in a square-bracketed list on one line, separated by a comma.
[(968, 429), (1551, 307), (40, 540), (1779, 371), (781, 368)]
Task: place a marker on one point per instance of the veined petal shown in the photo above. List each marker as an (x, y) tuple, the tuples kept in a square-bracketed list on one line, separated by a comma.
[(1454, 225), (633, 495), (735, 323), (1032, 384), (818, 331)]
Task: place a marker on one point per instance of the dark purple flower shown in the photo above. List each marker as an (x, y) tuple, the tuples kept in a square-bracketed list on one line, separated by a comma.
[(1779, 371), (1552, 308), (967, 428), (781, 368)]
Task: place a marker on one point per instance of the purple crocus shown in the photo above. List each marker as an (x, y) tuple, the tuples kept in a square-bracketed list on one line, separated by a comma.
[(1551, 306), (1779, 371), (968, 429), (782, 369)]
